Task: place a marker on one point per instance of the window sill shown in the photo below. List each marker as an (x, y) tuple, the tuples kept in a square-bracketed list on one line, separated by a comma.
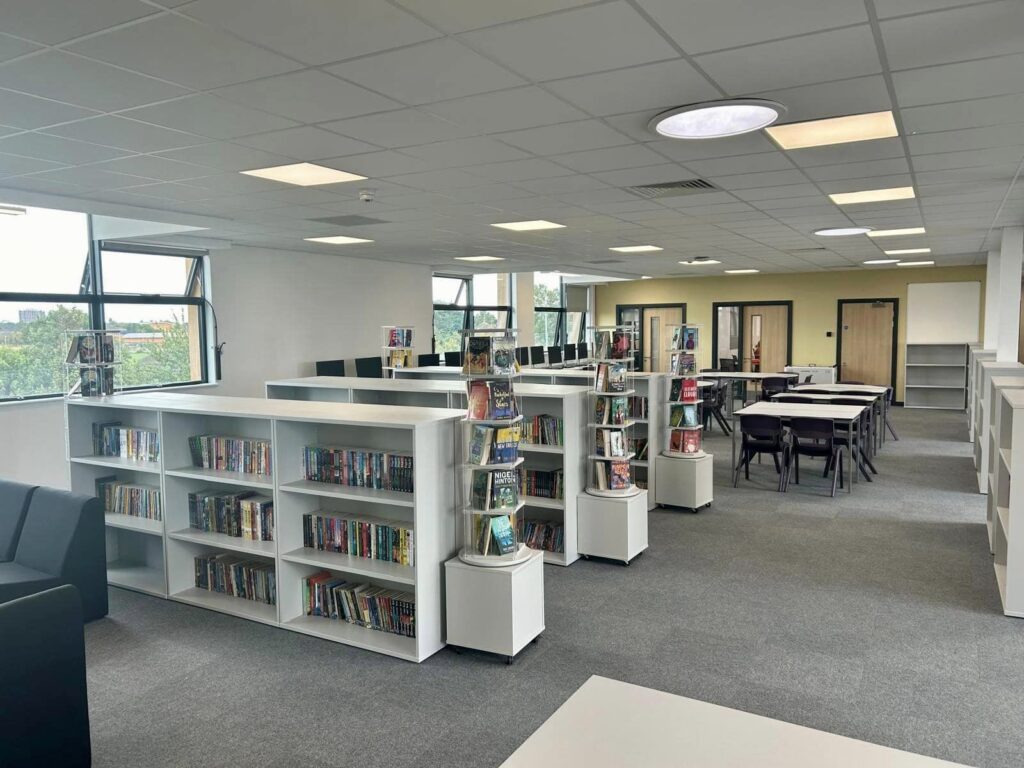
[(61, 398)]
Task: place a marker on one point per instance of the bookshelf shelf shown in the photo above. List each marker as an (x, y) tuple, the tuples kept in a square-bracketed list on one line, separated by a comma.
[(543, 502), (1006, 499), (117, 462), (158, 557), (537, 448)]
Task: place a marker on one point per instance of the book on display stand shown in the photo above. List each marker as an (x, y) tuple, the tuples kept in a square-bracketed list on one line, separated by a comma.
[(396, 347), (611, 416), (685, 428)]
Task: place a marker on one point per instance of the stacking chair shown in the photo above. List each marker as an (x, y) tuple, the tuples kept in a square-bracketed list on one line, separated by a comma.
[(760, 434), (537, 356), (330, 367), (581, 352), (424, 360), (815, 438), (369, 368), (714, 404), (569, 354), (523, 355), (773, 385), (859, 454), (555, 356), (453, 359)]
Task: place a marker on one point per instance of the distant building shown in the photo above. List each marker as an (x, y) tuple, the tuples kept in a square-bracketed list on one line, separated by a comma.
[(30, 315), (136, 339)]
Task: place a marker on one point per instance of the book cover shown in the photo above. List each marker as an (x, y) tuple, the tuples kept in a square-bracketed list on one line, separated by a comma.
[(601, 378), (675, 441), (619, 410), (503, 351), (479, 445), (617, 378), (501, 404), (87, 348), (689, 363), (675, 393), (478, 355), (601, 410), (478, 396), (603, 345), (90, 382), (690, 338), (601, 475), (600, 442), (73, 350), (480, 495), (690, 415), (675, 415), (640, 449), (504, 489), (618, 478), (106, 350), (622, 345), (504, 539), (483, 539), (691, 441), (506, 445), (677, 337), (689, 390), (615, 443)]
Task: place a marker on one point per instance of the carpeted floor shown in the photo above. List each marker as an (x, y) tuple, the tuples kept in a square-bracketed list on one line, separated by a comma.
[(873, 616)]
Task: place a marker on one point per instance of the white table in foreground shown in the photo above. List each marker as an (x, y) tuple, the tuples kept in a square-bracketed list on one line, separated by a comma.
[(608, 724)]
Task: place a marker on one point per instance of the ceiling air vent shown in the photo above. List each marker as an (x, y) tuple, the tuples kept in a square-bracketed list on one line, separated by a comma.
[(673, 188), (605, 261), (808, 250), (353, 220)]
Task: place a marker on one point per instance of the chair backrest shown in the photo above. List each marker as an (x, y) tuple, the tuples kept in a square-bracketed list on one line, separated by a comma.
[(453, 359), (728, 365), (809, 428), (369, 367), (569, 352), (423, 360), (52, 523), (809, 391), (808, 378), (523, 355), (554, 355), (788, 398), (330, 367), (760, 426), (850, 392), (537, 355), (581, 351), (14, 500)]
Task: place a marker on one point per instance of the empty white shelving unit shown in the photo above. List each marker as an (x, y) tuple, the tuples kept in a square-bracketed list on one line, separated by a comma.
[(987, 370), (976, 356), (998, 385), (1007, 503), (936, 376)]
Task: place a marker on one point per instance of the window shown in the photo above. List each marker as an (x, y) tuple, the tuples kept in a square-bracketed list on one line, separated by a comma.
[(552, 323), (55, 279), (479, 301)]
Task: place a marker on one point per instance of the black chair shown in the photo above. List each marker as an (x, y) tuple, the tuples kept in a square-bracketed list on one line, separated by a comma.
[(42, 682), (425, 360), (859, 454), (808, 378), (330, 367), (62, 542), (760, 434), (713, 398), (581, 351), (815, 438), (453, 359), (523, 355), (369, 368), (773, 385), (728, 365), (569, 353), (537, 355), (14, 501), (811, 391), (554, 355)]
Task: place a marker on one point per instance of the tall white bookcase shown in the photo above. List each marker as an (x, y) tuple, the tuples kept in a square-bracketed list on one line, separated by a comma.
[(1007, 503), (997, 386), (975, 357), (157, 557), (935, 376), (987, 370), (562, 401)]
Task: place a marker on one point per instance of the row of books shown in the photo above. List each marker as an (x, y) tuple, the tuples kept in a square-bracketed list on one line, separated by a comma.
[(638, 407), (379, 470), (386, 610), (685, 440), (610, 443), (242, 514), (132, 499), (542, 430), (683, 391), (685, 337), (494, 534), (491, 400), (684, 415), (398, 337), (111, 438), (683, 364), (231, 454), (237, 576), (493, 445), (489, 356), (611, 410), (91, 347), (638, 447), (610, 377), (613, 345), (495, 490), (546, 484), (611, 475), (540, 534), (399, 358), (370, 538)]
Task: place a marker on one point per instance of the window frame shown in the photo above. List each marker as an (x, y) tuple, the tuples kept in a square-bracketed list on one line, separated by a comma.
[(468, 309)]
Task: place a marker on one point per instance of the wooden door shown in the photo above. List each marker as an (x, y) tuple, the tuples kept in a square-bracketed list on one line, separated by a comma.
[(865, 340), (765, 337), (657, 332)]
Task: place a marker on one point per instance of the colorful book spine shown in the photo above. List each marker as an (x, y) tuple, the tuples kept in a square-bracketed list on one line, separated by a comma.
[(386, 610), (542, 430), (131, 499), (237, 576), (538, 534), (242, 515), (387, 541), (546, 484), (136, 443), (231, 454), (360, 469)]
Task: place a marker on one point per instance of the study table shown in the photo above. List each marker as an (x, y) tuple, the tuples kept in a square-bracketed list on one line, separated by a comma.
[(868, 400), (882, 393), (847, 415), (746, 377)]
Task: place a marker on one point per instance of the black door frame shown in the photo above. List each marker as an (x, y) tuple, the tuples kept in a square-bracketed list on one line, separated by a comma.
[(895, 333), (714, 326), (619, 308)]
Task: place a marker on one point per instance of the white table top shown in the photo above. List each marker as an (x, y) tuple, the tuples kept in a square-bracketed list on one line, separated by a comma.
[(608, 724), (810, 410), (748, 375), (440, 386), (868, 389), (866, 399)]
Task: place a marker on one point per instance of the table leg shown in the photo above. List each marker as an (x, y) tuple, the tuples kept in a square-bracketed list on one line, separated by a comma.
[(850, 477), (732, 465)]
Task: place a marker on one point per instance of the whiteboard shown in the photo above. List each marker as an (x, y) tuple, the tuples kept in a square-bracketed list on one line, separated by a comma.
[(943, 313)]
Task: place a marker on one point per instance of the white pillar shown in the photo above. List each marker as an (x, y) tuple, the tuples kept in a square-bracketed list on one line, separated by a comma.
[(524, 308), (991, 337), (1010, 254)]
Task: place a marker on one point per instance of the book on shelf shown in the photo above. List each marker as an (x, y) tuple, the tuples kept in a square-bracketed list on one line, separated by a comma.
[(542, 483), (622, 345), (491, 538), (95, 382), (491, 400), (638, 407), (493, 445), (503, 356), (377, 470), (685, 441), (638, 447), (371, 538), (683, 390), (399, 337), (331, 596), (504, 537), (112, 438), (250, 455), (399, 358), (543, 429), (612, 475), (603, 345), (601, 377), (91, 347), (619, 410), (690, 338), (610, 443), (478, 356), (495, 490), (241, 514), (616, 377), (683, 364), (238, 576), (677, 337), (683, 415), (131, 499), (541, 534)]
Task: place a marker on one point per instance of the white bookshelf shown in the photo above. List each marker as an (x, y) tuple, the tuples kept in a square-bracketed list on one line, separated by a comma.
[(935, 376), (997, 385), (986, 371), (158, 558), (1007, 502), (975, 356), (567, 402)]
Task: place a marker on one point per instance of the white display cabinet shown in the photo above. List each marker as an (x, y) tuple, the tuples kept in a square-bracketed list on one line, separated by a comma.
[(1008, 541), (986, 370), (160, 559), (613, 528), (935, 376)]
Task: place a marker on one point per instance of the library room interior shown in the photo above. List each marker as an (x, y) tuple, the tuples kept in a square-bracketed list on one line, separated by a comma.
[(520, 383)]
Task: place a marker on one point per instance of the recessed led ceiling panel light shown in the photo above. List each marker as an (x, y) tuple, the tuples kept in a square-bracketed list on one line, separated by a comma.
[(834, 130), (645, 277), (741, 271), (716, 119), (304, 174), (636, 248), (882, 261), (12, 210), (907, 251), (698, 262), (842, 231), (915, 263), (478, 258), (896, 232), (528, 226), (872, 195), (337, 240)]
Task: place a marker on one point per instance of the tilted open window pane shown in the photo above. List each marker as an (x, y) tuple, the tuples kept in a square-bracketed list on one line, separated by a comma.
[(42, 250), (547, 289), (128, 272), (450, 290), (545, 328), (490, 318), (162, 343), (32, 346)]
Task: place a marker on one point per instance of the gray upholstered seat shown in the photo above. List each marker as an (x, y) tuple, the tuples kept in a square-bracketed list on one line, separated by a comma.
[(14, 499)]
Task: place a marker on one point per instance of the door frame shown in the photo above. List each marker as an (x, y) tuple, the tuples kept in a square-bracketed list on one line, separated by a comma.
[(640, 331), (741, 304), (895, 333)]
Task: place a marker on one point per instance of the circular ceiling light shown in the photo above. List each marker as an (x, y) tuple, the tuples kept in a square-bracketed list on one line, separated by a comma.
[(717, 119), (842, 231)]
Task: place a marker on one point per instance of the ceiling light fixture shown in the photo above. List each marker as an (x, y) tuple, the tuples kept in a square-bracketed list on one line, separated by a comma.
[(915, 264), (834, 130), (842, 231), (700, 260), (882, 261), (896, 232), (907, 251), (645, 277), (528, 226), (12, 210), (337, 240), (872, 195), (479, 258), (716, 119), (636, 248), (304, 174), (741, 271)]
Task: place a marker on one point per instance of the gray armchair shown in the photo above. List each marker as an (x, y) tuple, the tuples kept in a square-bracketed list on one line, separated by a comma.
[(14, 499)]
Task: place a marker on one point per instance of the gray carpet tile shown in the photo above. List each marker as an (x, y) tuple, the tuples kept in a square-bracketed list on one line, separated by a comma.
[(872, 615)]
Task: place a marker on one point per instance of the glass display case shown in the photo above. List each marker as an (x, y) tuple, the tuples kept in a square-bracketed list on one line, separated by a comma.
[(396, 348), (92, 361)]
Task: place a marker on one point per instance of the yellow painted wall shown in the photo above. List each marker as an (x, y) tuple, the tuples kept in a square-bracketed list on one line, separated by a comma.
[(814, 296)]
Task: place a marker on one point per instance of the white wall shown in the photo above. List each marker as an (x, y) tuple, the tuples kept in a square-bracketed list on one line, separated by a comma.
[(279, 312)]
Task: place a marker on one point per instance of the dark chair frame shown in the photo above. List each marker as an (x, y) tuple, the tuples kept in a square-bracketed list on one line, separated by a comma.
[(760, 434), (815, 438)]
